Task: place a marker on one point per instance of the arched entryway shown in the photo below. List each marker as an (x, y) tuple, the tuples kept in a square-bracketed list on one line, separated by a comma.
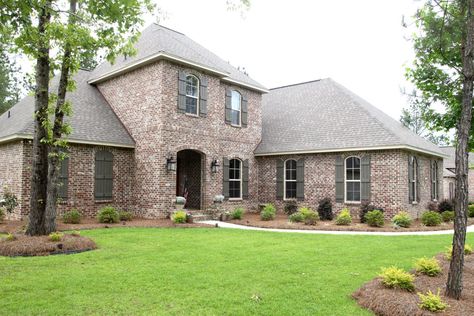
[(189, 177)]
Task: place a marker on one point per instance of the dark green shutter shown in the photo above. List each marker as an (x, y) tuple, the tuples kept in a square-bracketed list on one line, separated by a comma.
[(432, 177), (244, 111), (181, 91), (438, 179), (228, 106), (339, 176), (63, 179), (418, 162), (225, 184), (245, 179), (365, 178), (203, 97), (300, 179), (279, 179), (410, 179), (103, 175)]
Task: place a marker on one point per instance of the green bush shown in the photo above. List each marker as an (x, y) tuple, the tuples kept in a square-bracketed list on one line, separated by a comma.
[(432, 302), (291, 207), (11, 200), (471, 210), (237, 213), (402, 219), (108, 214), (310, 217), (72, 217), (10, 237), (344, 217), (445, 205), (55, 236), (268, 212), (428, 266), (431, 218), (76, 233), (449, 251), (366, 207), (374, 218), (296, 218), (448, 216), (2, 214), (394, 277), (325, 209), (179, 217), (125, 216)]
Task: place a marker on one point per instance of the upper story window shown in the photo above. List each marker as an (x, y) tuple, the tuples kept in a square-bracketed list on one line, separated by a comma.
[(192, 95), (290, 179), (236, 107), (352, 178), (235, 179)]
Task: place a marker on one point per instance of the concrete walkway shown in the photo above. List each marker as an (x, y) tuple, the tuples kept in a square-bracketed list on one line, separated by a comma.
[(470, 229)]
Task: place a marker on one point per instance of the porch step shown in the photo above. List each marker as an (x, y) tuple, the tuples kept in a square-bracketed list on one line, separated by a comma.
[(202, 217)]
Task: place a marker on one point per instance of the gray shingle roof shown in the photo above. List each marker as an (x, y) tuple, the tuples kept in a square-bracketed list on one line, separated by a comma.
[(156, 38), (322, 115), (92, 121), (450, 161)]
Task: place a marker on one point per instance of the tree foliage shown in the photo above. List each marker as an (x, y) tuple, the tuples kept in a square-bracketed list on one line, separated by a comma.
[(9, 81)]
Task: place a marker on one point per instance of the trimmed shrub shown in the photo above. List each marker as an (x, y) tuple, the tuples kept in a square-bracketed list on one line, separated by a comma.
[(402, 219), (471, 210), (449, 251), (366, 207), (125, 216), (76, 233), (445, 205), (344, 217), (11, 200), (431, 218), (448, 216), (291, 207), (10, 237), (310, 217), (72, 217), (432, 302), (56, 236), (179, 217), (428, 266), (268, 212), (325, 209), (375, 218), (2, 214), (296, 218), (432, 206), (108, 214), (237, 213), (394, 277)]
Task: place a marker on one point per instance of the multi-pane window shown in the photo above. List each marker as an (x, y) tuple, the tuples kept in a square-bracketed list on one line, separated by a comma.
[(236, 106), (235, 179), (352, 179), (290, 179), (414, 178), (434, 180), (192, 95)]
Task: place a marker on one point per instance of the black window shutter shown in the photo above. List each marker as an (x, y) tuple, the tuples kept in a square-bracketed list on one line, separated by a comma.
[(181, 91), (103, 175), (410, 180), (63, 178), (365, 178), (432, 177), (300, 179), (203, 97), (228, 106), (279, 178), (339, 176), (225, 184), (418, 162), (244, 111), (245, 179)]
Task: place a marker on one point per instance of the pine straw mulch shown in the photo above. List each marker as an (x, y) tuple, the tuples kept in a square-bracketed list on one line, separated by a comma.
[(384, 301), (281, 221), (26, 246)]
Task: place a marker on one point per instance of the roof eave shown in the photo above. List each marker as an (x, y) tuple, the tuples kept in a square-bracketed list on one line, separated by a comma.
[(72, 141)]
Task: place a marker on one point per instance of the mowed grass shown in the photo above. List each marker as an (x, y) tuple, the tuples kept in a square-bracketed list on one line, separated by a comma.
[(143, 271)]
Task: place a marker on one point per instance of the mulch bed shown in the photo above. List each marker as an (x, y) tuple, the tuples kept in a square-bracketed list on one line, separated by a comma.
[(26, 246), (281, 221), (384, 301), (91, 223)]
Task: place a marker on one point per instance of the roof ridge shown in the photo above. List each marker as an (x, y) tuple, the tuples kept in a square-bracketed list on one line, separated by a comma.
[(299, 83), (169, 29)]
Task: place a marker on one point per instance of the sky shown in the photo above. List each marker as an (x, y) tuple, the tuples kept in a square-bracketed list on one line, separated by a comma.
[(360, 44)]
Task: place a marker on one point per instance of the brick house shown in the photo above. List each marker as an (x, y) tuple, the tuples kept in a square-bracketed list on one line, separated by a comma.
[(176, 120), (449, 173)]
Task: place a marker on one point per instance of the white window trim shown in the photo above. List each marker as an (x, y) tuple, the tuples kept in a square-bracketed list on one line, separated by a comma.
[(414, 165), (284, 180), (194, 97), (345, 180), (240, 108), (235, 180)]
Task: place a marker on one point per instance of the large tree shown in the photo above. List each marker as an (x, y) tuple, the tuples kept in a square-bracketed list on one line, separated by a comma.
[(9, 81), (59, 35), (443, 70)]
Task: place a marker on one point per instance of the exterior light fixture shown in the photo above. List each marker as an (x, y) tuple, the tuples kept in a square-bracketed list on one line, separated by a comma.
[(170, 163), (215, 166)]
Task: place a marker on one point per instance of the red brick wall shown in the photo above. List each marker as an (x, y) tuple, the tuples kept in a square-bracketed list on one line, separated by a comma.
[(11, 173)]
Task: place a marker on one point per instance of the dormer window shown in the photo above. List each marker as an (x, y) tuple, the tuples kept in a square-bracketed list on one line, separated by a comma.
[(192, 95), (236, 107)]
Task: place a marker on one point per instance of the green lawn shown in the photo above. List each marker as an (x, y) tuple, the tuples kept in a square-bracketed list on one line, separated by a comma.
[(206, 272)]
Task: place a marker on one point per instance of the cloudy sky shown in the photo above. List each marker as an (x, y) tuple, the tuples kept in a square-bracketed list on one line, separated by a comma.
[(361, 44)]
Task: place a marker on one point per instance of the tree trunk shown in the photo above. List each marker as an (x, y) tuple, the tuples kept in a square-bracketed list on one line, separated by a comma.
[(454, 284), (40, 149), (55, 150)]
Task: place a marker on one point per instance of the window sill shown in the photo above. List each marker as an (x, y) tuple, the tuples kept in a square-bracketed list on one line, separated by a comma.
[(103, 201), (352, 202), (414, 203), (289, 199), (235, 199), (192, 115), (236, 126)]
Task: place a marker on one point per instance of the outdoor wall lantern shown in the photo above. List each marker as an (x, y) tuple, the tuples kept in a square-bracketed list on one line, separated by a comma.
[(170, 163), (215, 166)]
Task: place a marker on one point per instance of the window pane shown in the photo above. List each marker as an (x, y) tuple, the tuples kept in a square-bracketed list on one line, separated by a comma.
[(349, 163), (235, 117), (349, 174), (356, 174), (191, 86), (191, 105), (290, 190), (234, 189), (356, 162), (235, 102)]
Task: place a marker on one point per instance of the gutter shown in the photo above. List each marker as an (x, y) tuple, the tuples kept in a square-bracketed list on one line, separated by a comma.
[(71, 141)]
